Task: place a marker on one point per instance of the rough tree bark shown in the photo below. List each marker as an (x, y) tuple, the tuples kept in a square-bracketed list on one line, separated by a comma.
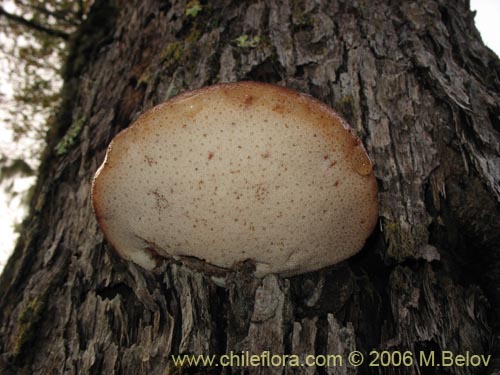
[(418, 86)]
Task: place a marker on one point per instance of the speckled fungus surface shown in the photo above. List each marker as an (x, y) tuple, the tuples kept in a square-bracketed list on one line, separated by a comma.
[(236, 172)]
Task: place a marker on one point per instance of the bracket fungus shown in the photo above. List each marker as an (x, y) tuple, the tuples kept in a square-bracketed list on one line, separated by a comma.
[(233, 173)]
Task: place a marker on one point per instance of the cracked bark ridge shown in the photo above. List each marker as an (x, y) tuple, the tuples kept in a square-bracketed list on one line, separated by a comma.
[(420, 89)]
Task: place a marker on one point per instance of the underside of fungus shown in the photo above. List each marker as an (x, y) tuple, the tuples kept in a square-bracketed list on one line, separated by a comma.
[(233, 173)]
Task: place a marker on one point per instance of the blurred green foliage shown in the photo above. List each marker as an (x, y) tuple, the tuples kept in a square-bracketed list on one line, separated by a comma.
[(33, 45)]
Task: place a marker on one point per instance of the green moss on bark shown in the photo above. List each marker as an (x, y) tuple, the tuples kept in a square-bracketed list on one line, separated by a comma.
[(27, 323)]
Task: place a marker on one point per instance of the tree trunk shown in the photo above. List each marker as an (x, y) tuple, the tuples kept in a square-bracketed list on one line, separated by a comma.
[(419, 88)]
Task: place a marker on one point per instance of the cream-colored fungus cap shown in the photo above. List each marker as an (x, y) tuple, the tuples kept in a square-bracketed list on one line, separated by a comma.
[(236, 172)]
